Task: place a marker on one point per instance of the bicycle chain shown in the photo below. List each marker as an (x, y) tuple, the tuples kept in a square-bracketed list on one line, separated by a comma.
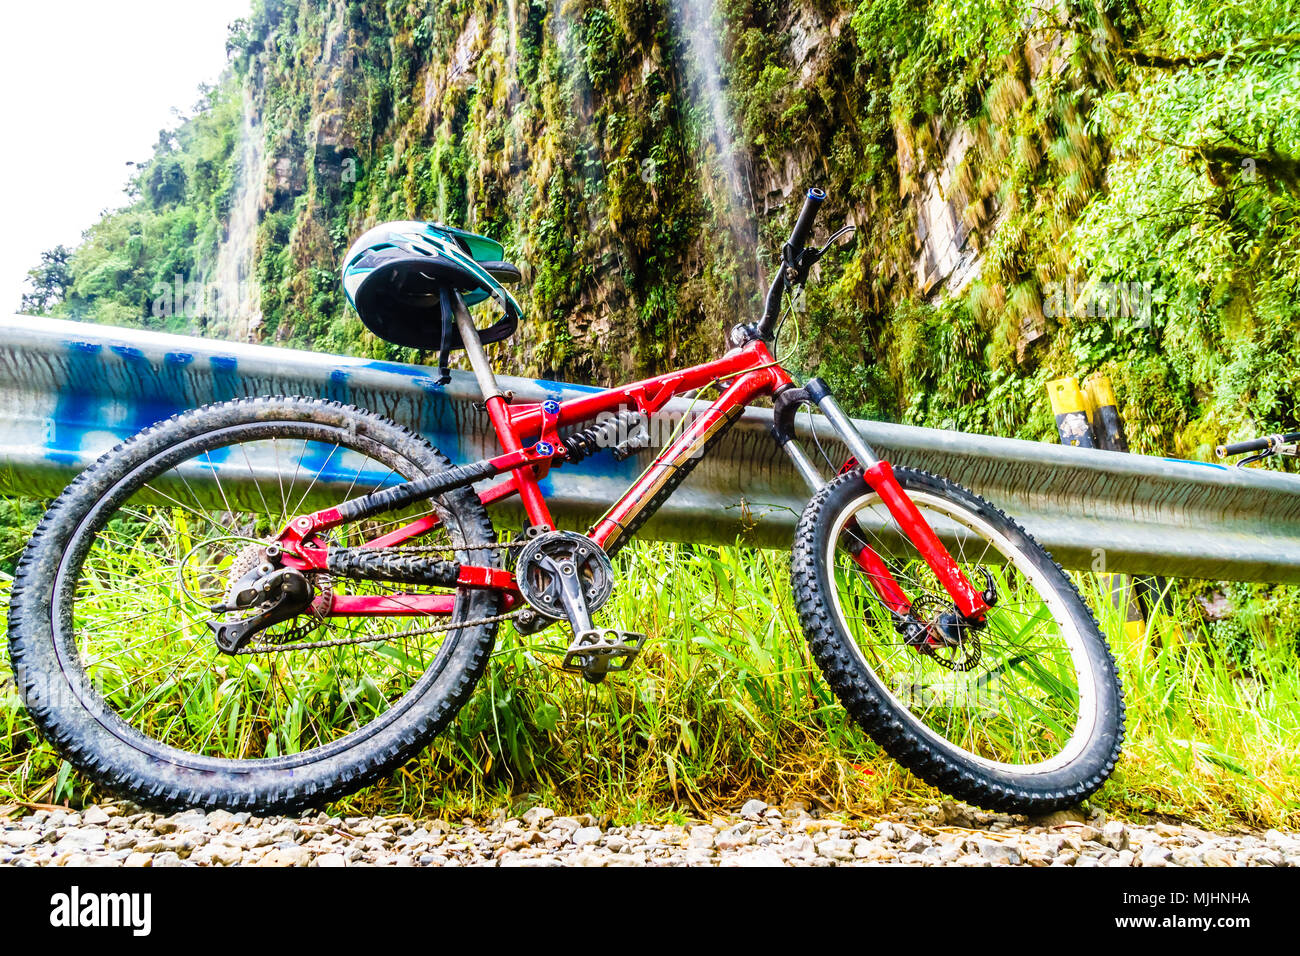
[(287, 643), (374, 638)]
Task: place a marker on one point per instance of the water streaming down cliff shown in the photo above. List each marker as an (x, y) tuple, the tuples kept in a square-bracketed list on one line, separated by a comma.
[(698, 25), (694, 20), (234, 303)]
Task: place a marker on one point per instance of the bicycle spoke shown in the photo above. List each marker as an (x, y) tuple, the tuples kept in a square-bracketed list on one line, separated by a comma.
[(167, 556)]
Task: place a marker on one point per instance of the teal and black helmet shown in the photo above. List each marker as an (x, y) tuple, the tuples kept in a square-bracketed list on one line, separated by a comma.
[(398, 276)]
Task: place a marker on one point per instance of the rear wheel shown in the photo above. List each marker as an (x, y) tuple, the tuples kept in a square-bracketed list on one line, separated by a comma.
[(1024, 714), (109, 615)]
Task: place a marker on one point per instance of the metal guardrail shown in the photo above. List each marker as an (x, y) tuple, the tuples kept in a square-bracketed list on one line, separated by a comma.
[(69, 391)]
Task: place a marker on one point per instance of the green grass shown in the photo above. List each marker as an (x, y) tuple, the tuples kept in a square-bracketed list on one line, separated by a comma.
[(726, 704)]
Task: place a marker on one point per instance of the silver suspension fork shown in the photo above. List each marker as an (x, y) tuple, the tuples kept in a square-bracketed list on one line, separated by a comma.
[(843, 425), (816, 392), (804, 465)]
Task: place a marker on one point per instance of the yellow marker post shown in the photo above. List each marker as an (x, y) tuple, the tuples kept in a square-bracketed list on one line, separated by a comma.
[(1070, 406), (1089, 417), (1104, 413)]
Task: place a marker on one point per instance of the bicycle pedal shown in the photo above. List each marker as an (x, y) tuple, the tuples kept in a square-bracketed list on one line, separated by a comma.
[(603, 650)]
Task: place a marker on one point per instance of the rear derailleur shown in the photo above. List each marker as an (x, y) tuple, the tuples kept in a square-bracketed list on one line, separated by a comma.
[(277, 593), (566, 574)]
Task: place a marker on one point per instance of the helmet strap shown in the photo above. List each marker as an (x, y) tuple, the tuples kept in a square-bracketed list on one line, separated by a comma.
[(448, 331)]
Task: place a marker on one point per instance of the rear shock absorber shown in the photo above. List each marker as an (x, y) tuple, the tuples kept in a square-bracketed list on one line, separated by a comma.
[(606, 434)]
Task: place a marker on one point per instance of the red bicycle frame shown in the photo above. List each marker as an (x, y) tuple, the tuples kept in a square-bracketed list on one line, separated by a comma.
[(530, 442)]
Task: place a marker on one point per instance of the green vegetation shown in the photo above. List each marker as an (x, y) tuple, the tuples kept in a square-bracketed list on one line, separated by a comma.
[(1145, 146), (726, 702)]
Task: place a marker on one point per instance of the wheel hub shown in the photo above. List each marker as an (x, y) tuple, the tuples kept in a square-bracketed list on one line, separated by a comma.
[(948, 638)]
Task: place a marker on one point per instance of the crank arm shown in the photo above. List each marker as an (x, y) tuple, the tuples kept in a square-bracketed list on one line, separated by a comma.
[(571, 593)]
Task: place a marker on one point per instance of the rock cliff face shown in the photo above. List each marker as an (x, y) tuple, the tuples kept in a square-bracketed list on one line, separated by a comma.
[(1020, 175), (640, 160)]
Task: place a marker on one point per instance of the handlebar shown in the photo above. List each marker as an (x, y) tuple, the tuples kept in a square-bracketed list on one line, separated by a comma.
[(803, 225), (789, 257), (1241, 447), (1256, 444)]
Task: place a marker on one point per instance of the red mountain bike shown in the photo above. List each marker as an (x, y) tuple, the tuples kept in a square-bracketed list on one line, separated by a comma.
[(268, 603)]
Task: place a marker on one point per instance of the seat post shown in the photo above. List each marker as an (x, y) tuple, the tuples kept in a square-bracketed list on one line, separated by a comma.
[(498, 411), (478, 361)]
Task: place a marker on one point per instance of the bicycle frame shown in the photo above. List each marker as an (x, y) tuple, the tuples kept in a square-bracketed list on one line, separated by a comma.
[(529, 438)]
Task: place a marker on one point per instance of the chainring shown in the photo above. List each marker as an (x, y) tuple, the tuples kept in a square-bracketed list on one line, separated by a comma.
[(540, 586)]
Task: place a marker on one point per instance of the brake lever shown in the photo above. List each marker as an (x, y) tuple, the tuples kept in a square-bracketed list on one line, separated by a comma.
[(1277, 447), (843, 231), (797, 267)]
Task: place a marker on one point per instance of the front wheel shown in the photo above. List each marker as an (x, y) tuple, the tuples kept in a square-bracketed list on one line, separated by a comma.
[(1024, 714)]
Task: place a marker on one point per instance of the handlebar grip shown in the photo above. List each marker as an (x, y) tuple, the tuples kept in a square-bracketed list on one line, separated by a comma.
[(1267, 443), (1241, 447), (803, 225)]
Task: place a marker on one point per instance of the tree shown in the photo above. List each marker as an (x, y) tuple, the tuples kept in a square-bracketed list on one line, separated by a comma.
[(50, 281)]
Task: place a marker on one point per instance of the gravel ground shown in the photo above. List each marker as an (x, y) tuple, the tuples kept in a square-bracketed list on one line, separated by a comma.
[(756, 835)]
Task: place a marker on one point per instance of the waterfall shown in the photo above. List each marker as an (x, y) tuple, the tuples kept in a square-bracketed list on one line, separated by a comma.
[(238, 306), (724, 176), (512, 61), (695, 25)]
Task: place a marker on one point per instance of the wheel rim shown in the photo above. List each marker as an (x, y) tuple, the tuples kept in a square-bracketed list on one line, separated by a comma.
[(1028, 705), (130, 603)]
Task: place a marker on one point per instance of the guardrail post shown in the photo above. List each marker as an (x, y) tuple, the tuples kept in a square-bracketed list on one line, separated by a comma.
[(1089, 417), (1104, 412), (1131, 593)]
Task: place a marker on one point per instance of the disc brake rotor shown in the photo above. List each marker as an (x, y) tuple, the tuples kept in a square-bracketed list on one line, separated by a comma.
[(961, 653)]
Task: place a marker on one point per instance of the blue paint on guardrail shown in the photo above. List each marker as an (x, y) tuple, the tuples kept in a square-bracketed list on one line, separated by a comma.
[(155, 398), (337, 389), (92, 403), (225, 377)]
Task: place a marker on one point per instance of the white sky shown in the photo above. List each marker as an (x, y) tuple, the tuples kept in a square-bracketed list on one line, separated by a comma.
[(85, 86)]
